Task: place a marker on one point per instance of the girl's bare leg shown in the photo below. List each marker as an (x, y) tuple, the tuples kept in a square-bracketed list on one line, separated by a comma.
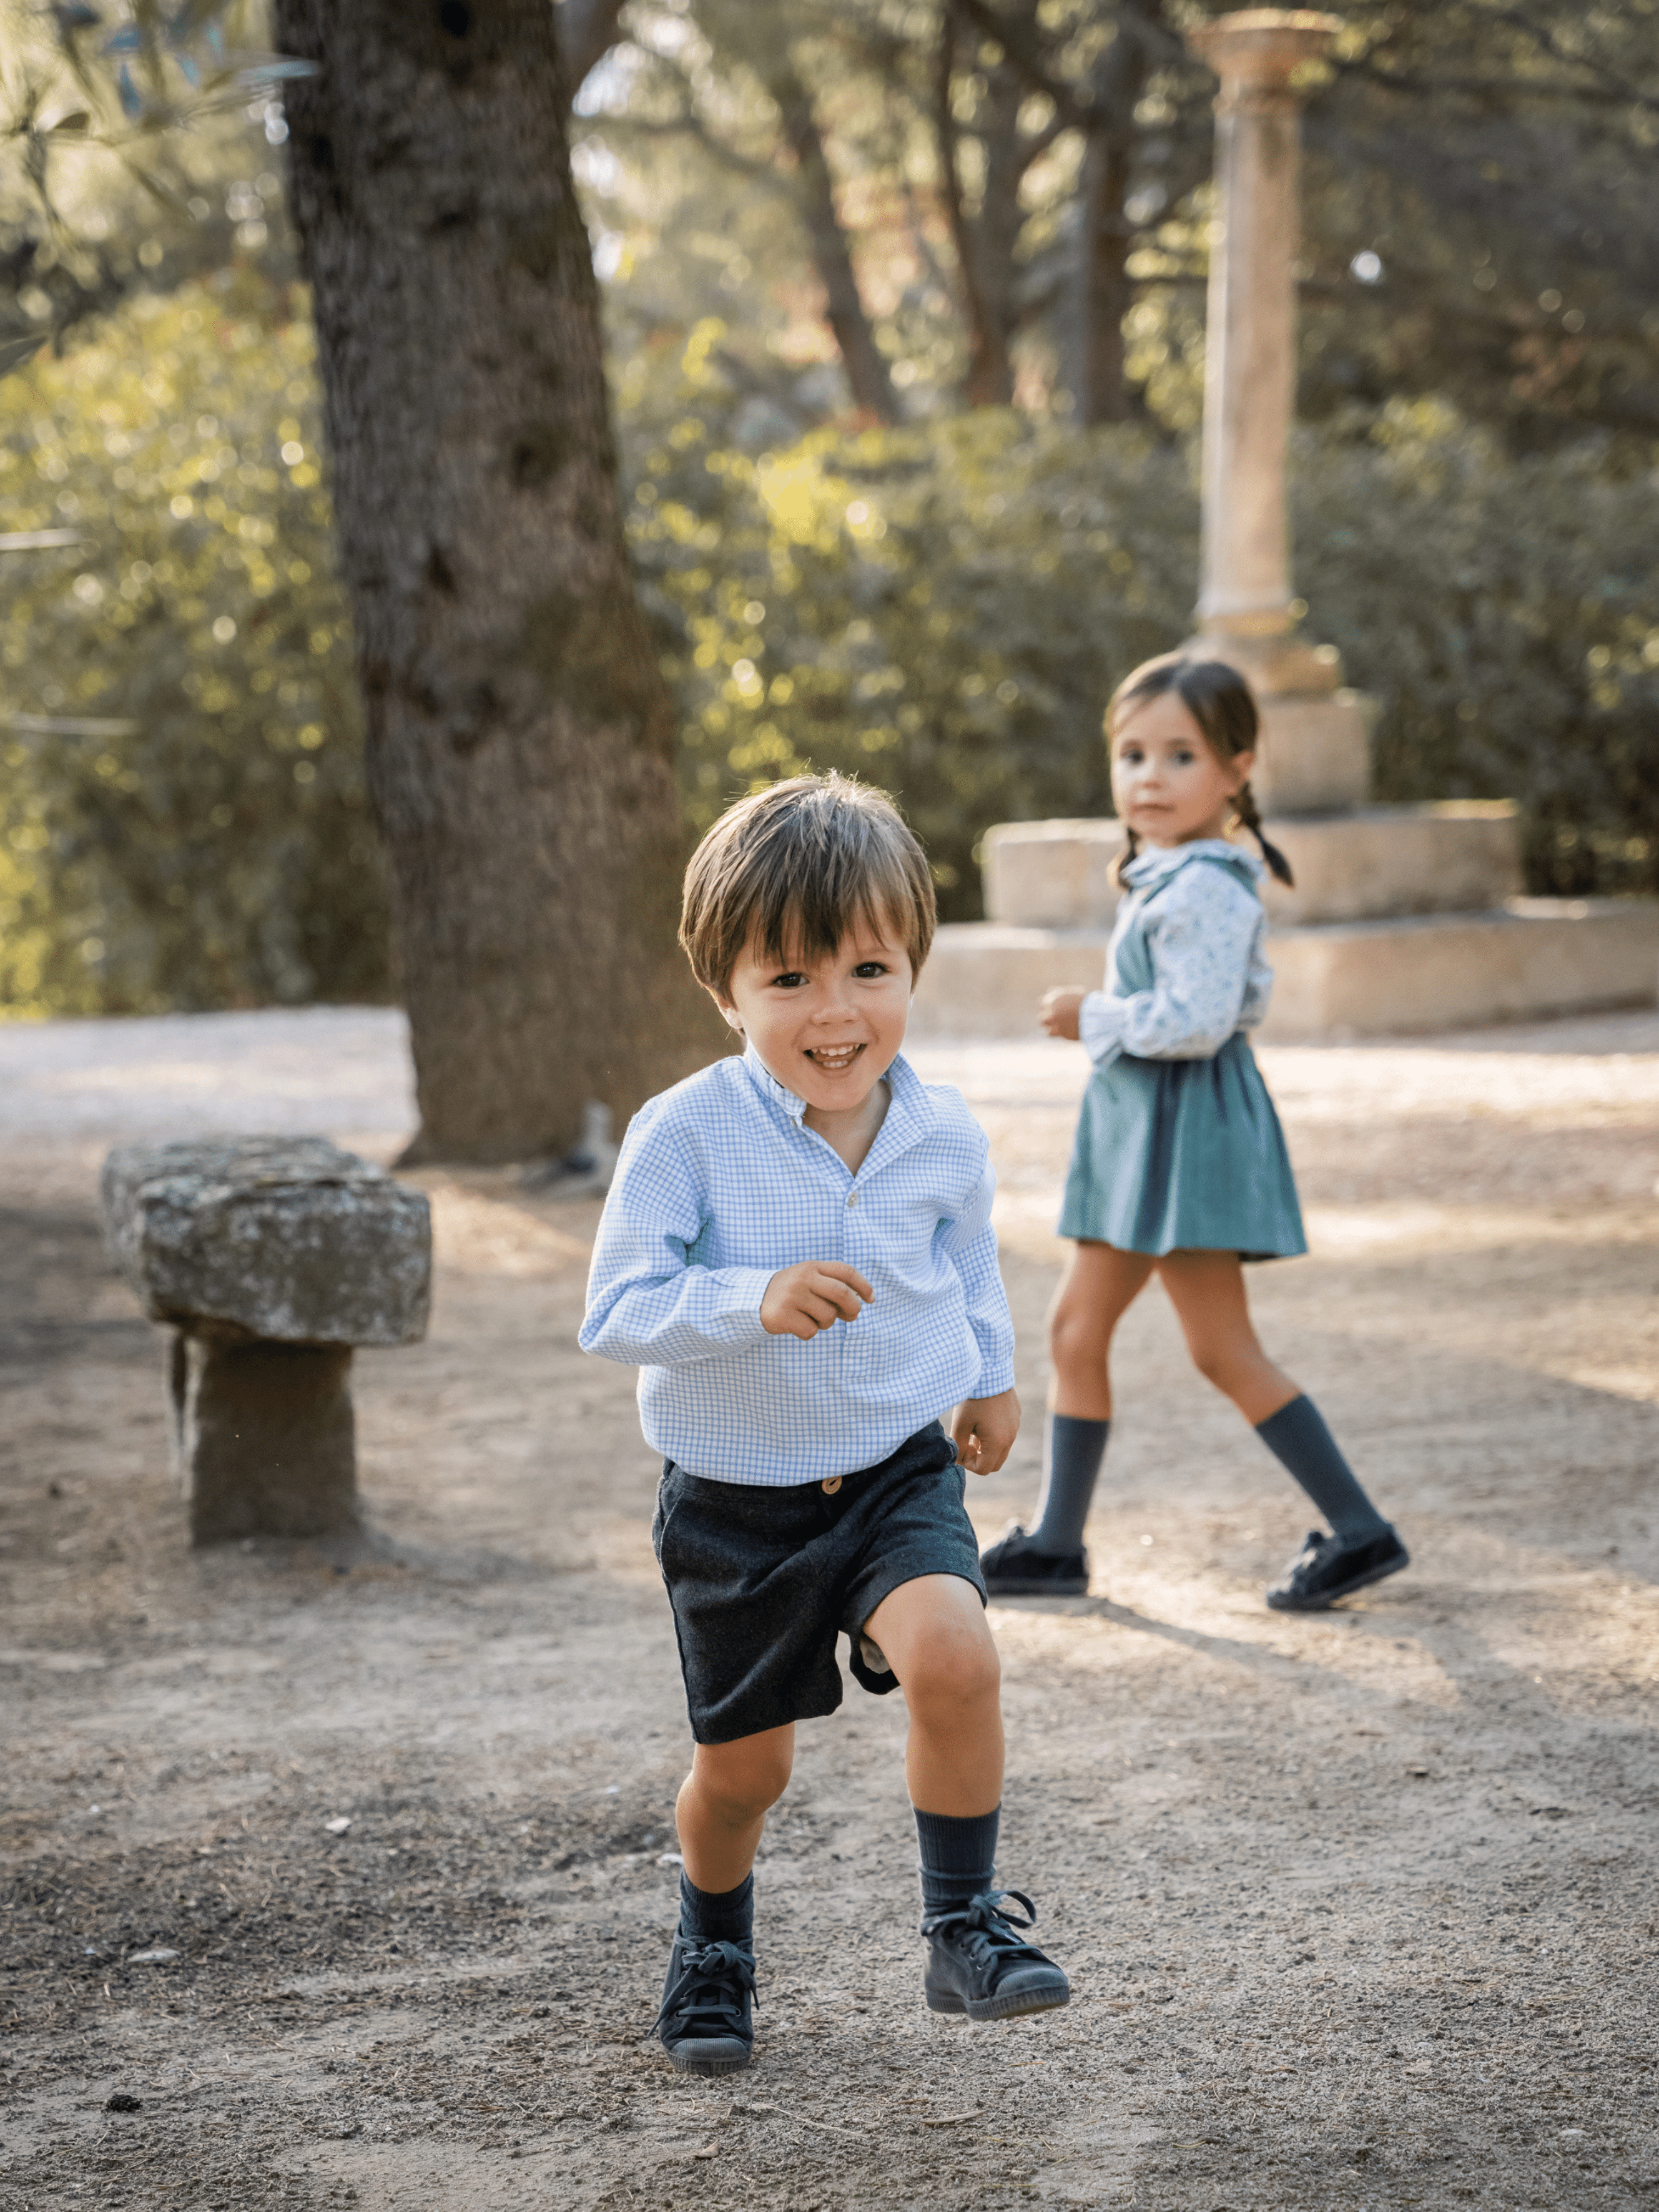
[(1097, 1289), (1206, 1289)]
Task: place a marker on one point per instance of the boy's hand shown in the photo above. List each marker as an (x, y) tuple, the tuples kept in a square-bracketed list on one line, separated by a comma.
[(1057, 1011), (805, 1300), (985, 1429)]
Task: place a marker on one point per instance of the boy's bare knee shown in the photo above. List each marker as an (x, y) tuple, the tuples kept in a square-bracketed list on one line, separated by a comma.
[(953, 1677), (738, 1789)]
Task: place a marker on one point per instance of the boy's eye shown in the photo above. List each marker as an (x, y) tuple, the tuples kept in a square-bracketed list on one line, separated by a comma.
[(867, 970), (789, 981)]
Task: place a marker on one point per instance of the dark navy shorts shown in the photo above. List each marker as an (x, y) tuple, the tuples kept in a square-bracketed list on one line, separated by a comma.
[(762, 1580)]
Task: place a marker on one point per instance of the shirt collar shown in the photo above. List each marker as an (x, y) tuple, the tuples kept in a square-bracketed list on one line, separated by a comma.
[(1156, 863), (909, 1100)]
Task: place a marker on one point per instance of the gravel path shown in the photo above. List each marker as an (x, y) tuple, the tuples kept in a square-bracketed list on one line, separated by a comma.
[(1359, 1909)]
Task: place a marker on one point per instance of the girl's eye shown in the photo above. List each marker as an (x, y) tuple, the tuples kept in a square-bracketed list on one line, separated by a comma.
[(1182, 757)]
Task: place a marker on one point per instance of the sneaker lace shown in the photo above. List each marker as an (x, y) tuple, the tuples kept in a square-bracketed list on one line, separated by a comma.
[(983, 1928), (707, 1998)]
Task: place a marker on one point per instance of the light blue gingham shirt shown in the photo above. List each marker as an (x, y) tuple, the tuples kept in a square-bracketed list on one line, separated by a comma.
[(719, 1184), (1204, 927)]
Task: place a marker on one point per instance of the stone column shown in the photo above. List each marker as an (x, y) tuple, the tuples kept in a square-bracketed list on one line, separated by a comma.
[(1314, 754)]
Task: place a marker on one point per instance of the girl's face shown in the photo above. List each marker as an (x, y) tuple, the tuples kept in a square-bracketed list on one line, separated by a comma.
[(1167, 783)]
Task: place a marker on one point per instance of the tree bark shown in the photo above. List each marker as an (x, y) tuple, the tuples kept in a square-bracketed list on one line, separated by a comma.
[(867, 375), (985, 302), (519, 735), (1105, 232)]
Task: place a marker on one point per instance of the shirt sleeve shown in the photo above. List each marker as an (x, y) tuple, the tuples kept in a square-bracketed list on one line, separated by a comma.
[(969, 1243), (648, 1303), (1200, 935)]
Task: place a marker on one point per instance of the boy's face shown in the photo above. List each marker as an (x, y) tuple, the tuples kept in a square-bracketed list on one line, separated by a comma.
[(828, 1028)]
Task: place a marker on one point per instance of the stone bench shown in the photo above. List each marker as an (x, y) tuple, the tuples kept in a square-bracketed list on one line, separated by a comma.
[(270, 1258)]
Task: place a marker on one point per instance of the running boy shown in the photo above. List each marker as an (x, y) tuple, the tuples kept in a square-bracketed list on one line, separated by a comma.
[(797, 1253)]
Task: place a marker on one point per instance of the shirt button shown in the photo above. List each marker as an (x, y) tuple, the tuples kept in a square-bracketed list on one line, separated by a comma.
[(832, 1484), (852, 1197)]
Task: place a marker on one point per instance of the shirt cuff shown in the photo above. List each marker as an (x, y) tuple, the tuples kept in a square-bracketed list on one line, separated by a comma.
[(745, 1289), (1099, 1026)]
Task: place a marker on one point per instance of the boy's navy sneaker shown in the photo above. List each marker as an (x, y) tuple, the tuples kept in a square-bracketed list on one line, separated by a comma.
[(977, 1962), (1015, 1568), (705, 2023), (1329, 1568)]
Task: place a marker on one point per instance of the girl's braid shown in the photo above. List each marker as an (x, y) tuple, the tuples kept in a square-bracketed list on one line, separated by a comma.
[(1245, 807), (1131, 847)]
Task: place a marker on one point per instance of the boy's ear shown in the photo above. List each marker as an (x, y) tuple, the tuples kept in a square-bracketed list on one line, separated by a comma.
[(729, 1014)]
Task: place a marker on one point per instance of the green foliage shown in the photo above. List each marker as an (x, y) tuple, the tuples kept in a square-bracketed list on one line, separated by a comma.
[(946, 610), (210, 845), (1505, 612), (940, 611)]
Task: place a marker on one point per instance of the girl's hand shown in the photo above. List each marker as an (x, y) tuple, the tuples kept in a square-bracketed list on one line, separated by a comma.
[(1059, 1011), (984, 1430), (804, 1301)]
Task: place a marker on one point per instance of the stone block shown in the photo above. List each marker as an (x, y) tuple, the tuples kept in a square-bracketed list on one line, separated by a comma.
[(264, 1439), (1054, 874), (1313, 755), (287, 1238), (1531, 959), (1459, 857), (270, 1257)]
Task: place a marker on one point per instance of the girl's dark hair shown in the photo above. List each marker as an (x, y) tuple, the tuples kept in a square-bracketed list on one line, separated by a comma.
[(1219, 701)]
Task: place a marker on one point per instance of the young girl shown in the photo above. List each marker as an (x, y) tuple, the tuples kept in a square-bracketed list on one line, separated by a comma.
[(1179, 1165)]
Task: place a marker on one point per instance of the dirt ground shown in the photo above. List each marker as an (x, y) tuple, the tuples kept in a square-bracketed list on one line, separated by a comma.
[(1359, 1910)]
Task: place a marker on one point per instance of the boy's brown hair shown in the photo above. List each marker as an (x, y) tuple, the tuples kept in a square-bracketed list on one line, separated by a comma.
[(796, 866)]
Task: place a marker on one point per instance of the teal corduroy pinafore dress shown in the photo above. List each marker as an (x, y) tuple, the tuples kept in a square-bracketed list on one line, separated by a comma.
[(1180, 1155)]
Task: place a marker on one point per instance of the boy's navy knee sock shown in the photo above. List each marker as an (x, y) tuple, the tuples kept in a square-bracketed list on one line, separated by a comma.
[(1297, 1437), (959, 1857), (717, 1917), (1071, 1453)]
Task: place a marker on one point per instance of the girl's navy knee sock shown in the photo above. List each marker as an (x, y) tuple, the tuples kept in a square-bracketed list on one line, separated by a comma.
[(1297, 1437), (959, 1857), (1071, 1453), (717, 1917)]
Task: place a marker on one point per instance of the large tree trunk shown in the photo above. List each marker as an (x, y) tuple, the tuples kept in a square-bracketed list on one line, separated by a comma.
[(519, 735)]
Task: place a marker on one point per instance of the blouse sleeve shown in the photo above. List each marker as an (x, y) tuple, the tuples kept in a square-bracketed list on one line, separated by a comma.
[(1200, 933)]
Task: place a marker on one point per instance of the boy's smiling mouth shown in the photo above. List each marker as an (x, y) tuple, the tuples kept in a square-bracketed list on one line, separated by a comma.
[(833, 1059)]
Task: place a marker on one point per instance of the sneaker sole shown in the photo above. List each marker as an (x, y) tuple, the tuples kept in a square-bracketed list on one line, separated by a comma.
[(1015, 2007), (1285, 1604), (997, 1587), (689, 2062)]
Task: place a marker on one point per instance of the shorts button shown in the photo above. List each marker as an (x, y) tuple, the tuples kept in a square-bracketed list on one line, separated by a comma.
[(832, 1484)]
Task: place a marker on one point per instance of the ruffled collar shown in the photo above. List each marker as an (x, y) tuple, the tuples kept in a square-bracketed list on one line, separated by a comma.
[(1154, 864)]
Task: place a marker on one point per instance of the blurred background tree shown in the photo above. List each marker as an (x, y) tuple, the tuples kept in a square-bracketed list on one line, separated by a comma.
[(904, 311)]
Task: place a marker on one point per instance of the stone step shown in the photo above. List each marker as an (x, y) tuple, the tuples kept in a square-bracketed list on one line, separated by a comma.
[(1524, 959), (1458, 856)]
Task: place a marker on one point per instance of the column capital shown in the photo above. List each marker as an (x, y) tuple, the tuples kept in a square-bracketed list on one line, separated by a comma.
[(1260, 48)]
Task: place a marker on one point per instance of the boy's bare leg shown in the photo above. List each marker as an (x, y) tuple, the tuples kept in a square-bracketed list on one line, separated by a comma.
[(723, 1801), (933, 1633)]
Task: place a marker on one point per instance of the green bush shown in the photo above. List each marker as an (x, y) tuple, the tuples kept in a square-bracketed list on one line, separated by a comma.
[(941, 609), (946, 609), (1505, 614), (182, 819)]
